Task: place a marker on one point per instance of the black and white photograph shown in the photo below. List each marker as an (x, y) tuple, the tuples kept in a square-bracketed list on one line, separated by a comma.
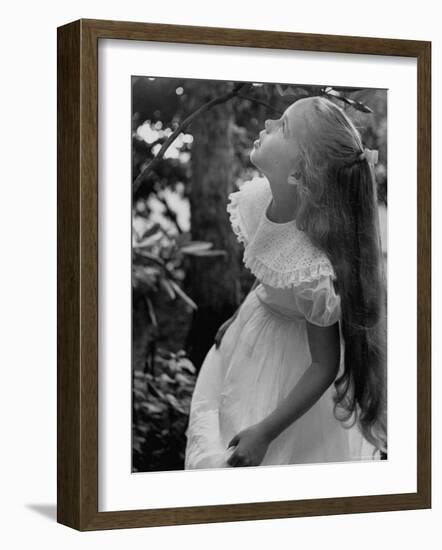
[(259, 274)]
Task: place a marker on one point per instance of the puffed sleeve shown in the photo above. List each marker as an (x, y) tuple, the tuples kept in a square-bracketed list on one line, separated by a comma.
[(318, 302)]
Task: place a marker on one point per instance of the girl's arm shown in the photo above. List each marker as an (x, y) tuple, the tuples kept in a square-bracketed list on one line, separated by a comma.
[(251, 443)]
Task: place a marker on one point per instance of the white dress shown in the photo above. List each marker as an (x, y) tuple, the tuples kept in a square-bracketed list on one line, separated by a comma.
[(265, 351)]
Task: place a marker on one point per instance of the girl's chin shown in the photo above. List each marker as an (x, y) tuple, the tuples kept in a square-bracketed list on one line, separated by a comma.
[(255, 150), (255, 147), (257, 165)]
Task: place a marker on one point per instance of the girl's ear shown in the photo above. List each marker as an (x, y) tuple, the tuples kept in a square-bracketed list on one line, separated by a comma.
[(294, 179), (295, 176)]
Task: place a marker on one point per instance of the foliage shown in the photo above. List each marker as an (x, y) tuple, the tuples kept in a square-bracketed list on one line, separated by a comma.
[(157, 264), (164, 382), (160, 415)]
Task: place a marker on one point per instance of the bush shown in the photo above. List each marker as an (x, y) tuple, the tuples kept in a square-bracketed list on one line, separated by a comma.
[(161, 413)]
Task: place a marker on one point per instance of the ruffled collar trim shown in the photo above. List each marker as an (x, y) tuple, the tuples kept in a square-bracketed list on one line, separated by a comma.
[(278, 254)]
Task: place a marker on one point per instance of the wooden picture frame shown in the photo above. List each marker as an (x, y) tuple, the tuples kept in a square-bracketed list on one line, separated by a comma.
[(77, 224)]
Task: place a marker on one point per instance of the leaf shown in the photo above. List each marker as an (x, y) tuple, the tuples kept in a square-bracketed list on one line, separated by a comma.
[(139, 394), (148, 241), (347, 89), (187, 364), (149, 256), (151, 408), (195, 246), (172, 366), (151, 230), (183, 295), (145, 274), (168, 287), (183, 379), (167, 379), (174, 403), (355, 104), (151, 311)]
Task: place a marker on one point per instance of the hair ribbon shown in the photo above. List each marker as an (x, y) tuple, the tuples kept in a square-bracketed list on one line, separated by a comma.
[(371, 155)]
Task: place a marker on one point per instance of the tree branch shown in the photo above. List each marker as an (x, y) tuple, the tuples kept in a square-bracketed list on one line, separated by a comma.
[(139, 180), (260, 102)]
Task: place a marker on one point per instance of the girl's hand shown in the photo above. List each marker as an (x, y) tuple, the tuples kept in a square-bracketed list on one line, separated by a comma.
[(251, 447), (222, 329)]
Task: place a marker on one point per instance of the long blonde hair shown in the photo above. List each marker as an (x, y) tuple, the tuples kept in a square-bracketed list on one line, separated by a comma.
[(339, 212)]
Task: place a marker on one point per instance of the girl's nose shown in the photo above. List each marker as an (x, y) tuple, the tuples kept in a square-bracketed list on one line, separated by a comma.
[(267, 125)]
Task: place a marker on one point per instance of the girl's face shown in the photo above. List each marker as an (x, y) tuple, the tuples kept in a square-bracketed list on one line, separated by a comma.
[(276, 151)]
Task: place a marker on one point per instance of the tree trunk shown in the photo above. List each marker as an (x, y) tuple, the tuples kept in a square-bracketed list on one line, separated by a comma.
[(213, 282)]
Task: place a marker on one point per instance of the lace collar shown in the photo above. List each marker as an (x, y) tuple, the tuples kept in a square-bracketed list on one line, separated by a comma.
[(278, 254)]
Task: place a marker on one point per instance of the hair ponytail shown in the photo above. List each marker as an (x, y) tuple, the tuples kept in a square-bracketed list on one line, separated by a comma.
[(362, 286), (339, 212)]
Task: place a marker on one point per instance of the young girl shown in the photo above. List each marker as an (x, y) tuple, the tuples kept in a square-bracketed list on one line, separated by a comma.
[(298, 375)]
